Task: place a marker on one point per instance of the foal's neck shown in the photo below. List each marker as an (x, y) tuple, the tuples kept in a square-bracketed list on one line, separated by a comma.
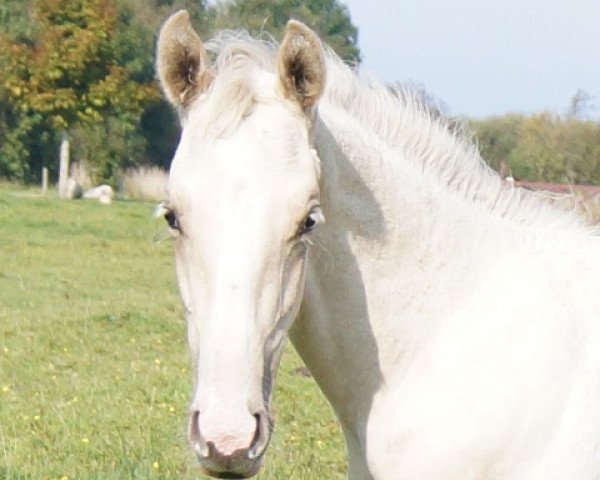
[(384, 252), (390, 212)]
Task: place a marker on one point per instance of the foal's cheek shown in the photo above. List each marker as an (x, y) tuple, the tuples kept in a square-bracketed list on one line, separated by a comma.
[(194, 342), (293, 280), (182, 272)]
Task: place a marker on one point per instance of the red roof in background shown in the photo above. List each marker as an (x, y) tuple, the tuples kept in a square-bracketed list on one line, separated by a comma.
[(587, 190)]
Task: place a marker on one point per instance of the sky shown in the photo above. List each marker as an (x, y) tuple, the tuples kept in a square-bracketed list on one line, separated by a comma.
[(484, 57)]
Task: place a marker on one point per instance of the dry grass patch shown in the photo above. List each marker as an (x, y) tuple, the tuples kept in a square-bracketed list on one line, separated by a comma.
[(145, 183)]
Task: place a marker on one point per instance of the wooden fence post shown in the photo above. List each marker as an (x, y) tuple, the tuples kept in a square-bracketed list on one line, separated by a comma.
[(63, 171), (44, 181)]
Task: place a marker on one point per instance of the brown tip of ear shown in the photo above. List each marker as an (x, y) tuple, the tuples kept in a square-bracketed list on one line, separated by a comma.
[(181, 60), (301, 64)]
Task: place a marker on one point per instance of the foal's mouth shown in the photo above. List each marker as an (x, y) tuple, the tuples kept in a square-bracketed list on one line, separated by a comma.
[(236, 465), (212, 473), (241, 463)]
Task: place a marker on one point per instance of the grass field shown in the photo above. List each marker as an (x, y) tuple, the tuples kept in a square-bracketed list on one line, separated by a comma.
[(94, 375)]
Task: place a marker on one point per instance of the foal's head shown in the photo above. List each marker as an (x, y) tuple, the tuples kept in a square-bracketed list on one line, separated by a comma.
[(243, 200)]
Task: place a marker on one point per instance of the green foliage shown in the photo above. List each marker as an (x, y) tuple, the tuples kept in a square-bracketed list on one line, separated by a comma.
[(87, 67), (497, 137), (543, 147), (107, 147), (138, 22), (67, 78), (13, 20), (95, 381), (329, 18)]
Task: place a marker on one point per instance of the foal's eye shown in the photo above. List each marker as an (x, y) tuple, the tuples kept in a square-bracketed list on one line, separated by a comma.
[(172, 220), (311, 221)]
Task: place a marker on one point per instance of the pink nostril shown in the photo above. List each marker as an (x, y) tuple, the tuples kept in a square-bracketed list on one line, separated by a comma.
[(214, 443)]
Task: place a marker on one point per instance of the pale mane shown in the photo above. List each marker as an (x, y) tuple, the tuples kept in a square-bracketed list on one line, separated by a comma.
[(399, 118), (402, 120)]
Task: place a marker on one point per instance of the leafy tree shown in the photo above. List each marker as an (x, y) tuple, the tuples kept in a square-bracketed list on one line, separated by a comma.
[(14, 21), (66, 78), (87, 67), (497, 138), (330, 19), (581, 104), (138, 24), (542, 147), (538, 134)]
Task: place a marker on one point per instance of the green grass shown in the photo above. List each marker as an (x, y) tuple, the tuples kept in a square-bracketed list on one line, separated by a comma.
[(94, 375)]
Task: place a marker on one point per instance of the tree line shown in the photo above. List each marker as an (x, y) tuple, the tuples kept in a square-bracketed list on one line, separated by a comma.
[(543, 147), (85, 68)]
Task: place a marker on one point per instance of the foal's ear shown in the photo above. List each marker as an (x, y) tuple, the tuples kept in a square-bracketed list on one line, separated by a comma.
[(301, 64), (181, 61)]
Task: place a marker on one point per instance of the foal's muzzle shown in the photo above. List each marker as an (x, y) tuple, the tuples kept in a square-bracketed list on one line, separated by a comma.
[(219, 459)]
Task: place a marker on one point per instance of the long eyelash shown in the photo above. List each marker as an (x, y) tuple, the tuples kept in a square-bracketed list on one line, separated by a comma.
[(164, 234), (161, 210)]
